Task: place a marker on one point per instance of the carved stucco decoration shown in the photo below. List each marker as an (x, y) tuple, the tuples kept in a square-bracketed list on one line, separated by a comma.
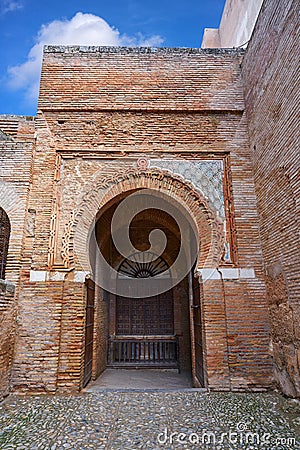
[(101, 189), (142, 163), (205, 175)]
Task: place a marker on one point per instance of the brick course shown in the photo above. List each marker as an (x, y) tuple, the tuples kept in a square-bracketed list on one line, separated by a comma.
[(109, 78), (270, 72)]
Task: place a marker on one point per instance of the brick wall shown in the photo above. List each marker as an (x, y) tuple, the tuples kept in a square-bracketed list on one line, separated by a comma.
[(100, 109), (16, 152), (271, 84), (7, 335), (110, 78), (37, 344), (71, 339)]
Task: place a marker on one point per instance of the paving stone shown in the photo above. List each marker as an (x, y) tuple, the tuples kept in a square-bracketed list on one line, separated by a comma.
[(150, 420)]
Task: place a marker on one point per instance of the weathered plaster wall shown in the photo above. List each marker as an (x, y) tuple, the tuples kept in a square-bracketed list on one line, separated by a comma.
[(236, 27), (271, 85)]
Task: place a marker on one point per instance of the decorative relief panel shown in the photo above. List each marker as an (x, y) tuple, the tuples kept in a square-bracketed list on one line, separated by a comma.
[(205, 175)]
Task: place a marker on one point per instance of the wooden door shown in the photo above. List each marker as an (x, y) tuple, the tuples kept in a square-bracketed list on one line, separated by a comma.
[(144, 333), (89, 331), (197, 324), (145, 316)]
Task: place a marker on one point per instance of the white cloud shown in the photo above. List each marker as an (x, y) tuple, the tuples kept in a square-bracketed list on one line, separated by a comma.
[(82, 29), (9, 6)]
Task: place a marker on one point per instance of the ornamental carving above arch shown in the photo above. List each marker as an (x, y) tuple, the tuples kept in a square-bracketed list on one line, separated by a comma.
[(101, 189)]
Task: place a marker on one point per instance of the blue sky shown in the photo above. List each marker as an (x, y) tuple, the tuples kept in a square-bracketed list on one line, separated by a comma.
[(26, 25)]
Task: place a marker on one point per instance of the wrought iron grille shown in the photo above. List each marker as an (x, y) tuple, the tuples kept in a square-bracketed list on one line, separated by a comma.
[(144, 326), (150, 315), (143, 265)]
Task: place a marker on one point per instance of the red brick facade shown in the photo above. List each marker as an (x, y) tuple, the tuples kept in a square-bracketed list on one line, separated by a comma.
[(181, 112), (271, 84)]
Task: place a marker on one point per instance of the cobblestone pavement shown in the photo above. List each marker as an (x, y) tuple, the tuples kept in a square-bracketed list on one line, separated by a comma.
[(132, 420)]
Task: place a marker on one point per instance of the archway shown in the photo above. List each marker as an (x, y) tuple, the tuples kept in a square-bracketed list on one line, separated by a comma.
[(135, 328), (98, 198), (98, 193)]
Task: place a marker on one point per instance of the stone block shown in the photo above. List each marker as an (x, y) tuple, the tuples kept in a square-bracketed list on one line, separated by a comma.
[(282, 323), (38, 275)]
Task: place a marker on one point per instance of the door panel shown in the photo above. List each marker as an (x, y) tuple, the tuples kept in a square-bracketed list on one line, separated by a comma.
[(197, 322), (145, 316), (89, 331)]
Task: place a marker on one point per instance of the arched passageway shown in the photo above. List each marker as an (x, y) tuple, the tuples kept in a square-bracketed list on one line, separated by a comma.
[(148, 315)]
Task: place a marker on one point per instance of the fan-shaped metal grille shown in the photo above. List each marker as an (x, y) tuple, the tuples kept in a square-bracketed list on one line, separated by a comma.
[(143, 265)]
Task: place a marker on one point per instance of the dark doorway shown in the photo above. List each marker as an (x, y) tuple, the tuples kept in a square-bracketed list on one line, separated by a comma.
[(144, 331)]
